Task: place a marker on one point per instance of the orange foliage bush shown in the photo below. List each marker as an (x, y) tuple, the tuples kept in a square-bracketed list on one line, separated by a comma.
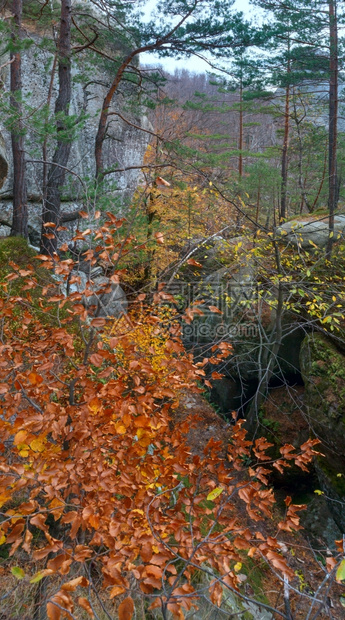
[(94, 476)]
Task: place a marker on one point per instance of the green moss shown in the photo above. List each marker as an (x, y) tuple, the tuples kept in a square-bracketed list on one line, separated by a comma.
[(336, 481), (16, 250), (256, 571), (323, 371)]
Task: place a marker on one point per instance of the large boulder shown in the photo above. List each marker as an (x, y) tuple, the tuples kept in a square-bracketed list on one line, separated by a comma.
[(100, 295), (323, 371), (309, 231), (109, 298)]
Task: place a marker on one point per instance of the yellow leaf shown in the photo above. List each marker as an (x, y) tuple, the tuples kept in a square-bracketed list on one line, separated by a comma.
[(215, 493), (37, 445), (340, 576), (2, 539), (318, 492), (42, 573), (24, 453), (237, 567), (95, 405), (120, 428)]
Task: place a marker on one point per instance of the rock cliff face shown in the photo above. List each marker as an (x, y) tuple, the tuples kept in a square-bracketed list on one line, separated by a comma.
[(124, 146)]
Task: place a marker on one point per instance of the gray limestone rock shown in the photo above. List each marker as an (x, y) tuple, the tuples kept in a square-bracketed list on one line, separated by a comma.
[(307, 232), (109, 298)]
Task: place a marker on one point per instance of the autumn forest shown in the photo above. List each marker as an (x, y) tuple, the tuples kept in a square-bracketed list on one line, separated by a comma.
[(172, 310)]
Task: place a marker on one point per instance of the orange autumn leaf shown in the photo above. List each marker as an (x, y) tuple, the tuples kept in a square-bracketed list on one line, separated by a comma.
[(84, 603), (126, 609)]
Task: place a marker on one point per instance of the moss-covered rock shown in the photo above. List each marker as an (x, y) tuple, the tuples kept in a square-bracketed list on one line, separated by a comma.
[(16, 251), (332, 483), (323, 371)]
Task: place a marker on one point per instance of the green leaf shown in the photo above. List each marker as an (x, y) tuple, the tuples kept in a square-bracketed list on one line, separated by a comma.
[(215, 493), (341, 571), (17, 572)]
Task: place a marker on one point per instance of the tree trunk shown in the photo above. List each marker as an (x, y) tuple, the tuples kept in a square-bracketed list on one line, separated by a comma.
[(267, 364), (240, 142), (103, 121), (102, 126), (20, 209), (333, 122), (57, 171), (283, 198)]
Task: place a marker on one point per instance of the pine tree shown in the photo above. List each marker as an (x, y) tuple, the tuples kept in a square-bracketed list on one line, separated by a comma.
[(303, 49)]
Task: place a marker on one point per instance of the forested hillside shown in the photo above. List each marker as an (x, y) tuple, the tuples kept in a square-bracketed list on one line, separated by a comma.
[(172, 310)]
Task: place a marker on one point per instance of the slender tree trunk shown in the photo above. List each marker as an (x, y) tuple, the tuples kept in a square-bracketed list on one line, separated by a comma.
[(283, 198), (268, 358), (57, 171), (103, 121), (333, 122), (20, 209), (151, 212), (258, 203), (240, 142)]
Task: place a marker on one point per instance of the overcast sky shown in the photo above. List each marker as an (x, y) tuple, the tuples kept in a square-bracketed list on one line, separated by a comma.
[(192, 64)]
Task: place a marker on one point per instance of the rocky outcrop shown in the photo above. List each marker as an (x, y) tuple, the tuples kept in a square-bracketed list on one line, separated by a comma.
[(101, 296), (124, 146), (3, 161), (323, 371), (109, 298), (310, 231)]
